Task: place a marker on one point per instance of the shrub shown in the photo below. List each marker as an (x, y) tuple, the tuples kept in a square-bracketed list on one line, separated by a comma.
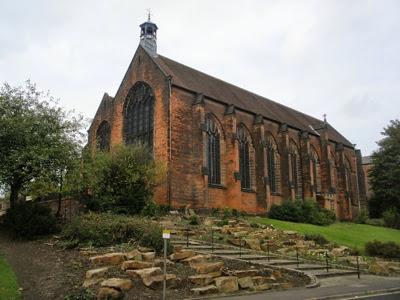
[(317, 238), (151, 209), (306, 211), (254, 225), (375, 222), (104, 229), (29, 220), (121, 181), (391, 218), (362, 217), (222, 222), (386, 250), (194, 220)]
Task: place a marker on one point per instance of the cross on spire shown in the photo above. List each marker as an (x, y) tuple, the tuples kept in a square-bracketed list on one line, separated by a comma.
[(324, 118)]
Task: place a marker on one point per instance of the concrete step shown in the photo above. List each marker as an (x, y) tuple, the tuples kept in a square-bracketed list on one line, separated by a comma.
[(203, 247), (309, 267), (274, 262), (332, 273), (184, 242), (229, 252)]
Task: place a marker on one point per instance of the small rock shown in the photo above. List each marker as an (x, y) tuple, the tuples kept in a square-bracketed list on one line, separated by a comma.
[(106, 293), (159, 262), (156, 282), (108, 259), (196, 259), (96, 273), (134, 255), (204, 279), (259, 280), (135, 264), (203, 268), (145, 249), (246, 283), (183, 254), (205, 290), (92, 281), (245, 273), (227, 284), (253, 244), (117, 283), (262, 287), (143, 273), (148, 256)]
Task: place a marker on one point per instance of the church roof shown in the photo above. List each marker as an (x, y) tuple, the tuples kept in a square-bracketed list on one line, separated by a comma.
[(196, 81)]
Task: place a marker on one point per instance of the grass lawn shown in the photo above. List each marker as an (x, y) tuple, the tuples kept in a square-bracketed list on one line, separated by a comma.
[(347, 234), (8, 282)]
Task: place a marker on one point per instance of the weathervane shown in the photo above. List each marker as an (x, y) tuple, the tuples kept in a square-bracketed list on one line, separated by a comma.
[(324, 118)]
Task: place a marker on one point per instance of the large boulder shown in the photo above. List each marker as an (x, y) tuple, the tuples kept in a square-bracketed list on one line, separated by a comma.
[(341, 251), (114, 259), (204, 279), (227, 284), (92, 281), (159, 262), (143, 273), (203, 268), (245, 273), (156, 281), (135, 264), (106, 293), (117, 283)]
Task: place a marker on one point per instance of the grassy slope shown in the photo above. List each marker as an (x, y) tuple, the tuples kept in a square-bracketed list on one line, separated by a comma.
[(348, 234), (8, 282)]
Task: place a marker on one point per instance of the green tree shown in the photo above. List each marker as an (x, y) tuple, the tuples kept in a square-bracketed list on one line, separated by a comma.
[(385, 174), (38, 140)]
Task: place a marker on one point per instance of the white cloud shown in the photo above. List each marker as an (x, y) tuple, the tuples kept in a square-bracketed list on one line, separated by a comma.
[(335, 57)]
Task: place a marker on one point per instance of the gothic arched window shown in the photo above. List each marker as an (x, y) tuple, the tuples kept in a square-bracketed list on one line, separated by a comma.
[(316, 171), (295, 170), (213, 151), (244, 157), (273, 164), (138, 115), (103, 135)]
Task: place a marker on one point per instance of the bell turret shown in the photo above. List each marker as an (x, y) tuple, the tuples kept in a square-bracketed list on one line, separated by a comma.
[(148, 36)]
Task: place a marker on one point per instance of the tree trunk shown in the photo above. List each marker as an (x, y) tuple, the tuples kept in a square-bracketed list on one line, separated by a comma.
[(14, 194), (58, 214)]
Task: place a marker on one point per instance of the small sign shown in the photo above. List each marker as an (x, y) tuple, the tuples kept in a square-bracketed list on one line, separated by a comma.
[(166, 234)]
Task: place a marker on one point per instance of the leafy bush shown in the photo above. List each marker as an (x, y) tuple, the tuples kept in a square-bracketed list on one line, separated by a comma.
[(151, 209), (222, 222), (317, 238), (103, 229), (391, 218), (362, 217), (386, 250), (306, 211), (254, 225), (194, 220), (121, 181), (29, 220), (375, 222)]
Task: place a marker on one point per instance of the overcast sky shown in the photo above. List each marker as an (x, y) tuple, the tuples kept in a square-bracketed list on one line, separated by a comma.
[(341, 58)]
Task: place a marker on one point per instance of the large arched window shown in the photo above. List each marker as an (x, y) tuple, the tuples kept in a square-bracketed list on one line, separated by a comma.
[(295, 170), (315, 171), (213, 151), (103, 135), (244, 140), (138, 115), (273, 164), (332, 171)]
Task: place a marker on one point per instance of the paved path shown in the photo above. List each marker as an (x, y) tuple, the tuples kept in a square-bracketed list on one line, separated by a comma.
[(332, 288)]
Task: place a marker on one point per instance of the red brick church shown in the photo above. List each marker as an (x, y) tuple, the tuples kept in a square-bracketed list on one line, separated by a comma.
[(225, 146)]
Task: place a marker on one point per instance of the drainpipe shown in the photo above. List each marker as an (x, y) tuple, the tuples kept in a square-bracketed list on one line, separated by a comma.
[(358, 189)]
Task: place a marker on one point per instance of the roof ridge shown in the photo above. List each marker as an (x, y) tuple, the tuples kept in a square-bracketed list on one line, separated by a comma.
[(243, 89)]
